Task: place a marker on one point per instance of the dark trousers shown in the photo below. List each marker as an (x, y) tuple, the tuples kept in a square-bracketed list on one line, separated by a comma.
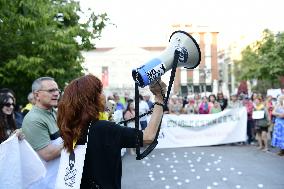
[(250, 126)]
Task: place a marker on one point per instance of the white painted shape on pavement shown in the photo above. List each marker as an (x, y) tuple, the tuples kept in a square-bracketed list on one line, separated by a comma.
[(215, 183)]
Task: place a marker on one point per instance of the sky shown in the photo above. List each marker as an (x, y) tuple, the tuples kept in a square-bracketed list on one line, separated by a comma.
[(148, 22)]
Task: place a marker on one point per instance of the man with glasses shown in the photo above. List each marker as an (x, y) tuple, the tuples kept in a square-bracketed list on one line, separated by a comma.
[(40, 128)]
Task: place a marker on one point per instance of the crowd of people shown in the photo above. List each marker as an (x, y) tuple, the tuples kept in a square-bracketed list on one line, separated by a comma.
[(265, 131), (38, 120), (51, 122)]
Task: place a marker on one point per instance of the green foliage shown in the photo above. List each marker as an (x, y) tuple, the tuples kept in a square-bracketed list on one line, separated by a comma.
[(263, 60), (263, 85), (43, 38)]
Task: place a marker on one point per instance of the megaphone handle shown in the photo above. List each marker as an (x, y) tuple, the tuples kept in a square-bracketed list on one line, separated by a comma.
[(172, 78), (137, 120), (152, 146)]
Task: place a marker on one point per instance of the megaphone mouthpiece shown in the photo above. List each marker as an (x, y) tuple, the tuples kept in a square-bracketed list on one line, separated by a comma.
[(181, 43)]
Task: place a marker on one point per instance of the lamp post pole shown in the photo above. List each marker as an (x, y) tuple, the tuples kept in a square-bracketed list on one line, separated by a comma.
[(205, 72), (203, 76)]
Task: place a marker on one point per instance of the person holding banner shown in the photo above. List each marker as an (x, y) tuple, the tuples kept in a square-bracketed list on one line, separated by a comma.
[(41, 131), (7, 121), (204, 106), (91, 157), (234, 101)]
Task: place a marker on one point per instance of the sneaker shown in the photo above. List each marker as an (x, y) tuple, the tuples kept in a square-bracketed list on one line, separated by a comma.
[(281, 153)]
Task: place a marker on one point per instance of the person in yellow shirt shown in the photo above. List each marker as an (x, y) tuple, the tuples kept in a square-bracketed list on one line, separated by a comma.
[(110, 107), (29, 106)]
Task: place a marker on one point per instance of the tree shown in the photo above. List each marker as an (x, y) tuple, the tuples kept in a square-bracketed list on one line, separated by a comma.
[(263, 60), (43, 38)]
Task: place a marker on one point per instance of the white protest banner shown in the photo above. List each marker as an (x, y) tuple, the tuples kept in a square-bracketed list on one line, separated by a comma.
[(20, 166), (71, 168), (228, 126), (48, 182)]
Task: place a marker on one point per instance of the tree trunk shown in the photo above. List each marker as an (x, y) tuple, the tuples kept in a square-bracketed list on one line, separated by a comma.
[(281, 79)]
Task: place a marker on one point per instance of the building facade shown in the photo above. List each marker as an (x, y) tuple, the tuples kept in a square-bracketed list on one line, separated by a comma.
[(114, 65), (204, 78)]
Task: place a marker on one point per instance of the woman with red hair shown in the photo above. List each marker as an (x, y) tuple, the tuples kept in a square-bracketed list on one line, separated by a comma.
[(78, 121)]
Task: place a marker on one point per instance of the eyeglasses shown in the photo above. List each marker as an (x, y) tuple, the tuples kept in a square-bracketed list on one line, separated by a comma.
[(9, 104), (51, 91)]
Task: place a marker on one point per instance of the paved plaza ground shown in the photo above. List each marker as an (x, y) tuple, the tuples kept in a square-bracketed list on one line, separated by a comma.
[(222, 167)]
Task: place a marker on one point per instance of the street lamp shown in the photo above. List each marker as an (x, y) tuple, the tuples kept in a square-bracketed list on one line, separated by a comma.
[(204, 73)]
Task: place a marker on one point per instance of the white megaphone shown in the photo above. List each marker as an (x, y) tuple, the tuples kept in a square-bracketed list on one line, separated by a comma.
[(189, 57)]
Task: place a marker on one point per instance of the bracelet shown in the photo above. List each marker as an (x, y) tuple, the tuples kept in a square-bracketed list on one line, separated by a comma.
[(160, 104)]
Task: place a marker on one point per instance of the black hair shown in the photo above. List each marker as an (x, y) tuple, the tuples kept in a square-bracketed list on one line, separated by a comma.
[(127, 107), (215, 98), (7, 90), (6, 121)]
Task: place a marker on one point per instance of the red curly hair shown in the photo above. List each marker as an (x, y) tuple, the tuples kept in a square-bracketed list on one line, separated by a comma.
[(80, 104)]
